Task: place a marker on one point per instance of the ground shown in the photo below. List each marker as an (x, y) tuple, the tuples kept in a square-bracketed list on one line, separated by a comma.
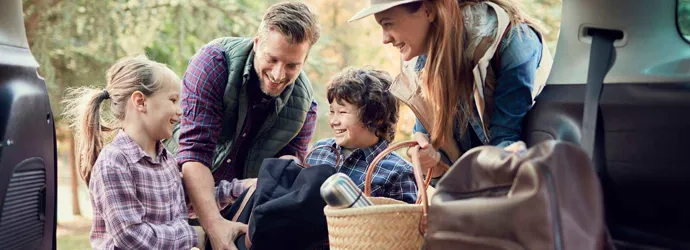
[(72, 231), (73, 234)]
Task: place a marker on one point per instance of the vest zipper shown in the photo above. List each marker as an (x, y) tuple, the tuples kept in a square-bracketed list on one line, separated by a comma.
[(260, 135)]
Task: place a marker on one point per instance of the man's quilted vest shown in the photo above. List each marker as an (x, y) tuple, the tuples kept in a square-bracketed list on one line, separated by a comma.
[(281, 125)]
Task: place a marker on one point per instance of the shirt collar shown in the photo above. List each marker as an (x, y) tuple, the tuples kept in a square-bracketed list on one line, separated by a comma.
[(419, 65), (248, 65), (369, 153), (134, 153), (251, 77)]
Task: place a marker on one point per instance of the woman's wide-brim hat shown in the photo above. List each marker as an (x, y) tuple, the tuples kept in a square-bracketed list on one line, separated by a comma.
[(376, 6)]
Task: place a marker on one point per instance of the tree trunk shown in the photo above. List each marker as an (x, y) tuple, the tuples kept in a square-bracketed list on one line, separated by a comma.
[(74, 176)]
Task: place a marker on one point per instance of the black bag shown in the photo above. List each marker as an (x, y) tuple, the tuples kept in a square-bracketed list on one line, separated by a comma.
[(285, 209)]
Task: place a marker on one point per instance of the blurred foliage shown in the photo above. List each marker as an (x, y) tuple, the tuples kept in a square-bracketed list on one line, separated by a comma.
[(76, 41)]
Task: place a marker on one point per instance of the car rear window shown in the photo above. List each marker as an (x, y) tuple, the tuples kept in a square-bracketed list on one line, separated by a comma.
[(684, 18)]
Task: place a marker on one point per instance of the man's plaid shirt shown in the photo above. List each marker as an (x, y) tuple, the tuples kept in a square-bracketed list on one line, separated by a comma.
[(203, 87), (393, 177)]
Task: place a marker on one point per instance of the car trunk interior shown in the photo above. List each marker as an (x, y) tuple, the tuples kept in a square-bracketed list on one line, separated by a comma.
[(643, 123)]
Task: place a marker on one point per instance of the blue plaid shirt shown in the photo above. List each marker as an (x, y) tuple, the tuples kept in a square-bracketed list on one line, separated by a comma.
[(393, 177)]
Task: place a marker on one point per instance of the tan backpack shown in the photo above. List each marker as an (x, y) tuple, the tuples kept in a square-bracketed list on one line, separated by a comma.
[(547, 197)]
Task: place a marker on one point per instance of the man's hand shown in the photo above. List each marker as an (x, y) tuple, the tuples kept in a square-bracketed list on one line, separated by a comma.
[(199, 183), (222, 233)]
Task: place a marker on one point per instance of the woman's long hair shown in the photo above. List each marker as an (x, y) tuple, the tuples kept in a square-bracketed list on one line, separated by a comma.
[(447, 79)]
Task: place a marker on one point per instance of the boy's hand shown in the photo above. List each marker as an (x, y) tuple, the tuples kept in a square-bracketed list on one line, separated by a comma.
[(428, 156)]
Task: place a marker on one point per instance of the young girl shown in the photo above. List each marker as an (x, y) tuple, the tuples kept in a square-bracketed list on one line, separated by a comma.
[(135, 185)]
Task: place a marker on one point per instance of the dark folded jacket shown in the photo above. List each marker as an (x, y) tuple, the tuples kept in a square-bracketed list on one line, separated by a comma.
[(286, 210)]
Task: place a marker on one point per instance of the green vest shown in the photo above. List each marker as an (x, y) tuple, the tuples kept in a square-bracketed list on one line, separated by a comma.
[(281, 126)]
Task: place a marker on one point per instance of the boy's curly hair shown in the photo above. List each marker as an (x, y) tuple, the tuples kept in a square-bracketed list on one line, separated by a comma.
[(367, 89)]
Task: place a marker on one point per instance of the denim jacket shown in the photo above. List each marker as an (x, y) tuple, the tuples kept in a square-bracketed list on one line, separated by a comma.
[(520, 54)]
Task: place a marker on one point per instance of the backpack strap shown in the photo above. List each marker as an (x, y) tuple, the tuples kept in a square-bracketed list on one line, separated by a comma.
[(246, 199)]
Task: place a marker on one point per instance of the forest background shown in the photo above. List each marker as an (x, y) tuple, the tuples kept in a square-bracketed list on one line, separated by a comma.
[(75, 41)]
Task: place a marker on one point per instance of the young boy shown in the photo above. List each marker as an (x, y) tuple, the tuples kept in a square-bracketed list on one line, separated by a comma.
[(362, 116)]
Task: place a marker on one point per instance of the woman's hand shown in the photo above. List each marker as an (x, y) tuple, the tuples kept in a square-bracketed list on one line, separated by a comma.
[(428, 156), (516, 147)]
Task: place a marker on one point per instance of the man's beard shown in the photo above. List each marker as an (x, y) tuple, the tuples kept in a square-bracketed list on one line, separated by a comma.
[(265, 90), (262, 85)]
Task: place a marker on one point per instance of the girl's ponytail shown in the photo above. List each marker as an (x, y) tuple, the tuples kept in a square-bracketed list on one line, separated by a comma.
[(83, 105), (83, 111)]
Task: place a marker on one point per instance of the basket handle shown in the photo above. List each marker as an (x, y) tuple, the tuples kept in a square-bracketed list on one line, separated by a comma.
[(416, 167), (337, 155), (422, 195)]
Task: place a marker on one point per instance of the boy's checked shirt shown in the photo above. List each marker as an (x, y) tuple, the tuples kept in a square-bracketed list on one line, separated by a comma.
[(393, 177)]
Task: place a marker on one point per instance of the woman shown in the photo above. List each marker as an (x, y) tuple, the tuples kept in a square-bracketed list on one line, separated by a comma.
[(479, 66)]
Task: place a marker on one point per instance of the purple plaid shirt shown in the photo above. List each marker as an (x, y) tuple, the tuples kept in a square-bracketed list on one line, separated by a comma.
[(204, 85), (138, 202)]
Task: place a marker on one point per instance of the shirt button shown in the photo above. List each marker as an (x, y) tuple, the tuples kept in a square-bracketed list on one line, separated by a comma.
[(253, 106), (244, 135), (229, 161)]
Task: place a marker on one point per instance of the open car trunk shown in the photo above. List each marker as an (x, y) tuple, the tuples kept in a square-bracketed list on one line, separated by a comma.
[(643, 142), (28, 187)]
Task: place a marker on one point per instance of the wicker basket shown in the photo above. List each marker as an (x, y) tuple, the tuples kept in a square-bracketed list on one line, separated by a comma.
[(389, 223)]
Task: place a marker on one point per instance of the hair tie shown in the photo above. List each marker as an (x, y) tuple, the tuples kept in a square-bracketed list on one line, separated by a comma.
[(105, 94)]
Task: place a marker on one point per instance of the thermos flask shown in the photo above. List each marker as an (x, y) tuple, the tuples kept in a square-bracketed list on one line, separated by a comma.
[(339, 191)]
